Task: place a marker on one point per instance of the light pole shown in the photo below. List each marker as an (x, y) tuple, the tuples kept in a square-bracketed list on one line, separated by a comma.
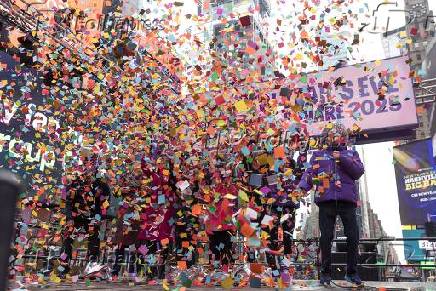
[(10, 187)]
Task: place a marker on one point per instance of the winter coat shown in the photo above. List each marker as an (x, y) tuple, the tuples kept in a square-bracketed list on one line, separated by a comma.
[(335, 179)]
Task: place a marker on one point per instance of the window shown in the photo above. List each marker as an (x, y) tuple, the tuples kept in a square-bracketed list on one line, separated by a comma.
[(265, 9), (200, 7)]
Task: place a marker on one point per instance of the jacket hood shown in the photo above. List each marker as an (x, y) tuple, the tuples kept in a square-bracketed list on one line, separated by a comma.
[(332, 148)]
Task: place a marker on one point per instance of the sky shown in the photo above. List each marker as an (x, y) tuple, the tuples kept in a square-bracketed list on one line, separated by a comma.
[(382, 187)]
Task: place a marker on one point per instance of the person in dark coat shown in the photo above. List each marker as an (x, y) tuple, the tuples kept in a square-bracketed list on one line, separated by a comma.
[(126, 232), (83, 212), (100, 193), (77, 217)]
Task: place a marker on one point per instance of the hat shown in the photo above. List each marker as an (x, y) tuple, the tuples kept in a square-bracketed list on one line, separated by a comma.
[(335, 129)]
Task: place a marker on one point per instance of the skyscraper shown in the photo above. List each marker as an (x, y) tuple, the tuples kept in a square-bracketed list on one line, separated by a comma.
[(309, 221), (130, 7), (391, 47), (421, 30), (238, 31)]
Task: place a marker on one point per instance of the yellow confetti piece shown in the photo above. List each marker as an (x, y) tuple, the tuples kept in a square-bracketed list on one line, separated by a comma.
[(243, 196), (227, 283), (200, 113), (241, 106), (54, 278), (288, 172), (270, 131), (221, 123)]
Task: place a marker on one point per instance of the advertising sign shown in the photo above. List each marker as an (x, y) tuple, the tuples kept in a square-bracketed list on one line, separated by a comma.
[(376, 96), (43, 5), (413, 252), (415, 172), (428, 64), (30, 138), (427, 245)]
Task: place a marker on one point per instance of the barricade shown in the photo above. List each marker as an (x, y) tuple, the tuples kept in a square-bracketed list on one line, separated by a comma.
[(300, 259)]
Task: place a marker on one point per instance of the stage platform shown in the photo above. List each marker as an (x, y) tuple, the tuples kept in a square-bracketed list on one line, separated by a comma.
[(298, 285)]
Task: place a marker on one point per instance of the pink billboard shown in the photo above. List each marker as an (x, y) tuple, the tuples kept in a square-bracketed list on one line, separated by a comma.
[(376, 96)]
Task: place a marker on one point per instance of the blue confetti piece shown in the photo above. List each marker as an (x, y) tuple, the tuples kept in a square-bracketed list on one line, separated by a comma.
[(245, 151)]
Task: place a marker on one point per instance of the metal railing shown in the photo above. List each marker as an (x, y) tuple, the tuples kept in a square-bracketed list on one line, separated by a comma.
[(80, 259), (425, 91)]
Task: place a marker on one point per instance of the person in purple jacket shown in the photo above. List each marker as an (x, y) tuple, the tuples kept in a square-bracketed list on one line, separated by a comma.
[(334, 170)]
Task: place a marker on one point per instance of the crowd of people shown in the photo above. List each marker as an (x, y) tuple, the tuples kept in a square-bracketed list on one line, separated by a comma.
[(162, 210)]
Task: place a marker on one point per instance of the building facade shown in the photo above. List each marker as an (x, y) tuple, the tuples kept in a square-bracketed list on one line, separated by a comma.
[(391, 46), (421, 29), (238, 31)]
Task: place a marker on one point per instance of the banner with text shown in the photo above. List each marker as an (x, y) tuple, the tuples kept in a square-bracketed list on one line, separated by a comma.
[(32, 138), (376, 96), (415, 171)]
